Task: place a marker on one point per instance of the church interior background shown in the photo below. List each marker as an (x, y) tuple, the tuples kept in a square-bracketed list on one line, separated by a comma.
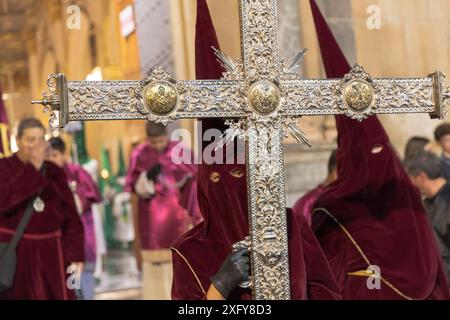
[(122, 39)]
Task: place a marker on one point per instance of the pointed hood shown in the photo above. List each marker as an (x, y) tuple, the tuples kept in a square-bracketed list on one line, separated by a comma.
[(373, 197), (229, 229)]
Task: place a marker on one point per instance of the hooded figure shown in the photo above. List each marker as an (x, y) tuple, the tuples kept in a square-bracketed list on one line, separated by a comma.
[(372, 215), (202, 257)]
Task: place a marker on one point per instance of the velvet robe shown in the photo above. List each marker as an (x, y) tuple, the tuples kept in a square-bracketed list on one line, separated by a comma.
[(53, 238), (166, 215)]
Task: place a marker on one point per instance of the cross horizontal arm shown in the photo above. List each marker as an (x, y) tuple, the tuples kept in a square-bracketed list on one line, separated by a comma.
[(155, 99), (109, 100), (103, 100), (326, 97)]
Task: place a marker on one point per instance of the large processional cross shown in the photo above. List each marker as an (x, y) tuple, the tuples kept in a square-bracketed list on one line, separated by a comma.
[(266, 96)]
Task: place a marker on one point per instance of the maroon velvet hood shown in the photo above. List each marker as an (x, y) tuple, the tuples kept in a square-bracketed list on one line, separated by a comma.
[(373, 196)]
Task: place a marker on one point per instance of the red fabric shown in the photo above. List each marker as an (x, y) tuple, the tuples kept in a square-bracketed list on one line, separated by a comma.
[(53, 238), (375, 200), (223, 204), (166, 216), (305, 205)]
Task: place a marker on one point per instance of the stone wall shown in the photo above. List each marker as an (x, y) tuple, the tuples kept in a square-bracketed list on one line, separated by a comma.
[(305, 169)]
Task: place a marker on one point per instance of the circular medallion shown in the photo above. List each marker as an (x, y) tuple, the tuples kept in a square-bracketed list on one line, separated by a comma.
[(358, 95), (38, 205), (160, 97), (264, 97)]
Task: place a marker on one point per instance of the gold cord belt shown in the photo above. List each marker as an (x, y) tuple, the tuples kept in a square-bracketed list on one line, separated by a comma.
[(364, 273), (190, 267)]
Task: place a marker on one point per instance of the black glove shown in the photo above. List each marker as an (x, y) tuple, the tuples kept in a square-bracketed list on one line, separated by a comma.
[(234, 270), (154, 172)]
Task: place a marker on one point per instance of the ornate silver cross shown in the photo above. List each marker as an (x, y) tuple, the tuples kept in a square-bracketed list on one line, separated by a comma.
[(267, 96)]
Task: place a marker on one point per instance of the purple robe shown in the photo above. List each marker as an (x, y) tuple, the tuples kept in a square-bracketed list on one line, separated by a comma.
[(166, 215), (88, 193), (52, 239)]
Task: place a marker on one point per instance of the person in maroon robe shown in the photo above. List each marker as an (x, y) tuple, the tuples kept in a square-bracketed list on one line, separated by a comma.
[(86, 193), (53, 239), (305, 204), (166, 190), (371, 222), (204, 266)]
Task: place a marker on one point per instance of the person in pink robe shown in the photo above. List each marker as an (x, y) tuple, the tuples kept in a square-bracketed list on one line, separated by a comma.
[(86, 193), (166, 190), (53, 239), (305, 204)]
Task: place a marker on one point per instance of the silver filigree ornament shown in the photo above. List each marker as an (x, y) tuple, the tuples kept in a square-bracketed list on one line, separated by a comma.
[(244, 244), (358, 94)]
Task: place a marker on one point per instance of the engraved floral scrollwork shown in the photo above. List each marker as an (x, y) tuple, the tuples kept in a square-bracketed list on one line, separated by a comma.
[(213, 96), (136, 100), (260, 39), (395, 95), (100, 99), (157, 73), (268, 208), (308, 97)]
